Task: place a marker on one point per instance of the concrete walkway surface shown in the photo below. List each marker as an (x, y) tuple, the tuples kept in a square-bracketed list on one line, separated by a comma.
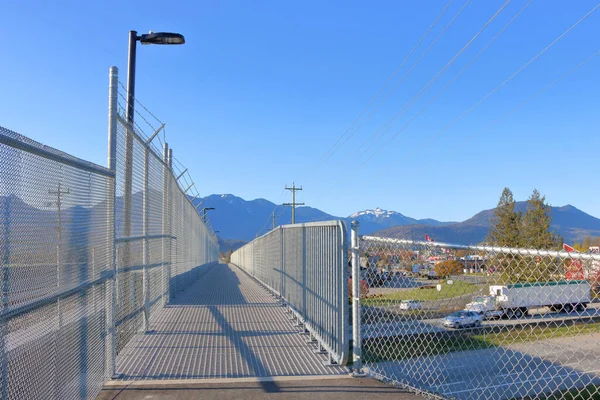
[(284, 388), (225, 325), (226, 338)]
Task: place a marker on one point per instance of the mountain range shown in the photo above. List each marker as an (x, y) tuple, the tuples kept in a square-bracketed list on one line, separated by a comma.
[(236, 218), (238, 221)]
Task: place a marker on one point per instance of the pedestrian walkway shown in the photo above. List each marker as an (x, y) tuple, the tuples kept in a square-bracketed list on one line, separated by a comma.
[(223, 326)]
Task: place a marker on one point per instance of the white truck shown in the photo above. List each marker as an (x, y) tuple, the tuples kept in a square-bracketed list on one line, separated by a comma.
[(514, 301)]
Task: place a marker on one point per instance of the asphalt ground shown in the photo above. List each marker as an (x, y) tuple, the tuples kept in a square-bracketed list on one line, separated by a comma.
[(507, 372)]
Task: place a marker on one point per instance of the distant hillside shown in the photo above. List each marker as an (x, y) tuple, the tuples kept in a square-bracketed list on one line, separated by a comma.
[(571, 223), (239, 219), (374, 220), (236, 218), (455, 233), (229, 244)]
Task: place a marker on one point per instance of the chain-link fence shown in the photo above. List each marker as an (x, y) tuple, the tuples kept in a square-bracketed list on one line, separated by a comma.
[(162, 242), (306, 265), (471, 322), (89, 254), (56, 251)]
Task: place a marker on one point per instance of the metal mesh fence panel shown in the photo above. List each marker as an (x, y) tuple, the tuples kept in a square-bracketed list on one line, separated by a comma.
[(473, 322), (306, 265), (162, 242), (65, 224), (56, 249)]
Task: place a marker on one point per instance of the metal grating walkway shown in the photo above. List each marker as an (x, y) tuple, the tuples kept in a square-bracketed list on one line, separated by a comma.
[(224, 326)]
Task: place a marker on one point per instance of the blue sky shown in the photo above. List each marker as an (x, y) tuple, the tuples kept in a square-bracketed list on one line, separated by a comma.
[(262, 90)]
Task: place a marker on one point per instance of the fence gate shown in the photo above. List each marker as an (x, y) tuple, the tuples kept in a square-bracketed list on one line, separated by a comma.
[(472, 322)]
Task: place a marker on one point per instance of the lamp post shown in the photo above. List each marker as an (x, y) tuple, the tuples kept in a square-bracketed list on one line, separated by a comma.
[(150, 38)]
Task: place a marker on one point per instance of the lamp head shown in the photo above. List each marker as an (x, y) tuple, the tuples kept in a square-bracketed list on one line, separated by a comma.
[(162, 38)]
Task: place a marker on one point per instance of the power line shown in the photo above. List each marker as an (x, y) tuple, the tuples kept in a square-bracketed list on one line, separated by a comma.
[(526, 101), (484, 98), (387, 125), (333, 149), (266, 224), (433, 80), (449, 83)]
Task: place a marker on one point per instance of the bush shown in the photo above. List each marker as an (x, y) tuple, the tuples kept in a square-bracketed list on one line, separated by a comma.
[(449, 267)]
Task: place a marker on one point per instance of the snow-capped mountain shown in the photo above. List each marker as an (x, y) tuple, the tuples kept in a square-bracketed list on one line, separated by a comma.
[(378, 218), (381, 215), (236, 218)]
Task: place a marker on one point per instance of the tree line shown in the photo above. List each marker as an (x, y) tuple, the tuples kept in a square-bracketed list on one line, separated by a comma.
[(588, 241), (511, 228)]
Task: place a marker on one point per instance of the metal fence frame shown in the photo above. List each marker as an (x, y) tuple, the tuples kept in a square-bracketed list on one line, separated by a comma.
[(173, 236), (85, 290), (71, 303), (306, 266)]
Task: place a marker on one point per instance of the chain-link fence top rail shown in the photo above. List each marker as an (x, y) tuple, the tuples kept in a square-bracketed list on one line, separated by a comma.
[(306, 264), (477, 322), (161, 239), (56, 250)]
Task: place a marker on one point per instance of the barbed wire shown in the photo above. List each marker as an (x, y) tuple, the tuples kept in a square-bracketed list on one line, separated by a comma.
[(185, 181), (526, 101)]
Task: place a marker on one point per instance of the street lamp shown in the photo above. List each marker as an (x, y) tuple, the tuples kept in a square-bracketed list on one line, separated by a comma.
[(149, 38)]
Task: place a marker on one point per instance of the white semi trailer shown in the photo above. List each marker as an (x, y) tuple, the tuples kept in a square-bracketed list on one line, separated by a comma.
[(517, 299)]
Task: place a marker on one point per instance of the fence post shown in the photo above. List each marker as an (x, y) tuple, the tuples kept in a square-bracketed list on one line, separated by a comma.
[(165, 211), (111, 284), (146, 243), (5, 272), (282, 292), (356, 334)]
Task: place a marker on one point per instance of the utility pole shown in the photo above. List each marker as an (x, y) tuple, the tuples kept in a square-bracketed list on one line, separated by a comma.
[(273, 218), (59, 193), (293, 189)]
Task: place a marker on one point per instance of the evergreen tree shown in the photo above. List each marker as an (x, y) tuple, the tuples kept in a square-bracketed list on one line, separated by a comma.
[(536, 222), (504, 229), (536, 234)]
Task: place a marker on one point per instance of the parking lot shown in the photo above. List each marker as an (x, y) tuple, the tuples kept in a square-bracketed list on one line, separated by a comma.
[(504, 372)]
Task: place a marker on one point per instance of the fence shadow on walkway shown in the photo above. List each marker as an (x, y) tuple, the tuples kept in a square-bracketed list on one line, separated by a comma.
[(214, 322)]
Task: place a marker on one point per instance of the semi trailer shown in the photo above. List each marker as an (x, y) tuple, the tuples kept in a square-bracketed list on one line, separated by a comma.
[(515, 300)]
